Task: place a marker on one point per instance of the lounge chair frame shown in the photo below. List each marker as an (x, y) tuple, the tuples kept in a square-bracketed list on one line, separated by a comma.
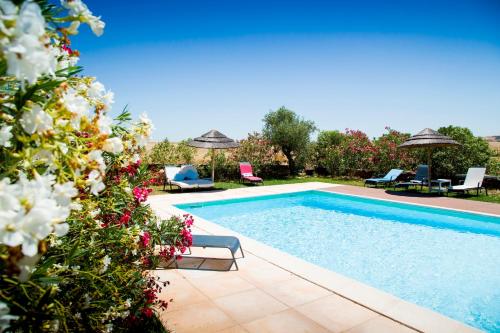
[(468, 188), (221, 242), (381, 180)]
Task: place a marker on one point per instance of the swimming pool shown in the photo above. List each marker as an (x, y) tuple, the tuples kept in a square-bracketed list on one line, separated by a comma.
[(441, 259)]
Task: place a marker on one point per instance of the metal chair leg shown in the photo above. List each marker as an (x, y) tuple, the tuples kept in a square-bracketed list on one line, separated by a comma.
[(234, 261)]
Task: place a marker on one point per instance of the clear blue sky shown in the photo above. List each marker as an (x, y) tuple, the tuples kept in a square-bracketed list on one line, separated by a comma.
[(197, 65)]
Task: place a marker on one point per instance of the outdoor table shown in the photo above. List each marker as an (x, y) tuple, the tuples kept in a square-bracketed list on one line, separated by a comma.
[(441, 182)]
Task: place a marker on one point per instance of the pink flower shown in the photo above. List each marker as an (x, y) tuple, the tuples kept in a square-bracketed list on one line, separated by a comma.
[(125, 217), (141, 193), (147, 312), (145, 238)]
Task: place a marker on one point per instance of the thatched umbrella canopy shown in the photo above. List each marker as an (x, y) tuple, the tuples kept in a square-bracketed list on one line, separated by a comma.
[(213, 140), (428, 139)]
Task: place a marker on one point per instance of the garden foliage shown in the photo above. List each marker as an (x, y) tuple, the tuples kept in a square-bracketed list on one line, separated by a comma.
[(166, 152), (76, 237), (473, 151)]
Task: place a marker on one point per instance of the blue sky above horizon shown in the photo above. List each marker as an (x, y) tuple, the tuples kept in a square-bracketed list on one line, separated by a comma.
[(197, 65)]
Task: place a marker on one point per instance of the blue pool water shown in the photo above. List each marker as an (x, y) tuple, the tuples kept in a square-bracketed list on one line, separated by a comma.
[(444, 260)]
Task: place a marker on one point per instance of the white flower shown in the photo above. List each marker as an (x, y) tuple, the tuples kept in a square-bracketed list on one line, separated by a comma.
[(144, 119), (26, 52), (26, 266), (8, 200), (109, 328), (73, 28), (33, 215), (141, 140), (127, 303), (45, 157), (94, 213), (30, 20), (105, 262), (79, 9), (104, 123), (97, 92), (113, 145), (76, 206), (63, 147), (94, 180), (5, 136), (77, 105), (96, 156), (64, 58), (96, 24), (5, 317), (64, 192), (36, 120)]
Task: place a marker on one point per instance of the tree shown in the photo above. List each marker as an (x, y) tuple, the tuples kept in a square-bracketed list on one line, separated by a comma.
[(170, 153), (286, 130), (474, 151), (329, 152)]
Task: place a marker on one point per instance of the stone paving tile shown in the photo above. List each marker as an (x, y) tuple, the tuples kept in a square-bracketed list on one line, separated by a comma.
[(289, 321), (222, 285), (201, 317), (249, 305), (234, 329), (336, 313), (182, 293), (295, 291), (264, 274)]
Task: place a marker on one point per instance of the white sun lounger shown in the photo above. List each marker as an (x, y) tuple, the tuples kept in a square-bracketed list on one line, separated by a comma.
[(185, 177), (473, 181)]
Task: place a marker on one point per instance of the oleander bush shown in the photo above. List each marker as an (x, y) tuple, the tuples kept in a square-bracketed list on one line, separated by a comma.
[(388, 156), (76, 237), (256, 150)]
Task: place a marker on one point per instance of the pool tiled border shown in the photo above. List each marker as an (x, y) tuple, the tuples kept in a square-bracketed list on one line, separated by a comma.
[(403, 312)]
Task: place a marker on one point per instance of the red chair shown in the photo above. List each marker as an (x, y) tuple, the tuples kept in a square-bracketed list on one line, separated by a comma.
[(246, 173)]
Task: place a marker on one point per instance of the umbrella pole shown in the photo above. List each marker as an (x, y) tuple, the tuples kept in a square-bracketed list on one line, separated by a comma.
[(213, 165), (429, 161)]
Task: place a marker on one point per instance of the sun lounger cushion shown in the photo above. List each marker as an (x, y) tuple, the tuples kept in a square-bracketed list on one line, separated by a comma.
[(390, 176), (473, 180), (171, 172)]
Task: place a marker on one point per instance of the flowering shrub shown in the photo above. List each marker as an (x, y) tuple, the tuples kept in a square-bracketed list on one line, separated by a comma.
[(357, 152), (76, 237), (388, 155), (256, 150)]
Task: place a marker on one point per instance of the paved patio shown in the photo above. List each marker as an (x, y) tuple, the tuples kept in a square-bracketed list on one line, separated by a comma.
[(276, 292), (260, 297)]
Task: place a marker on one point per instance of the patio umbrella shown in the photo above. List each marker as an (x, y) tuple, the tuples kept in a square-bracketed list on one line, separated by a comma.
[(213, 140), (428, 139)]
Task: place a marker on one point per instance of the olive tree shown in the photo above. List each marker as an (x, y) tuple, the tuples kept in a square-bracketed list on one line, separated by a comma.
[(290, 132)]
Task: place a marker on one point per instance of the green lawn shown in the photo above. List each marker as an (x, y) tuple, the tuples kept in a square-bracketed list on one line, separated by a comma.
[(493, 195)]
